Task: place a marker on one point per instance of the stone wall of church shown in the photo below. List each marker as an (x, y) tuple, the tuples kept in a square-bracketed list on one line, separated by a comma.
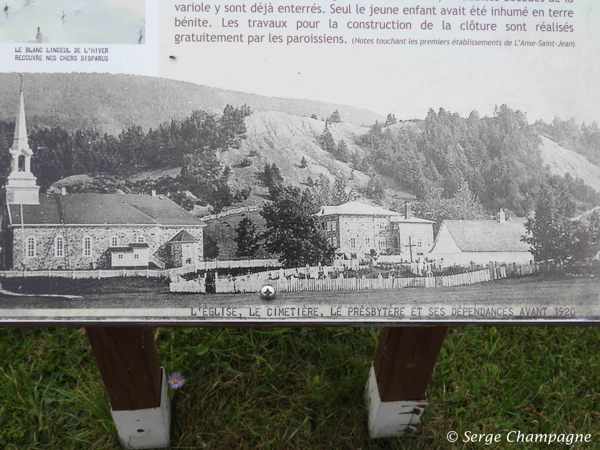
[(44, 256)]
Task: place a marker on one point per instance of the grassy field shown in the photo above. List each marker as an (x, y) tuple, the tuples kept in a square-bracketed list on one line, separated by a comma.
[(302, 388)]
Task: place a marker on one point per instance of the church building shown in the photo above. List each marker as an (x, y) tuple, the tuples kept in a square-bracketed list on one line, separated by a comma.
[(67, 231)]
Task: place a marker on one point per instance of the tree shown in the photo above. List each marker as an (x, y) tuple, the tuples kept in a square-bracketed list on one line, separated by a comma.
[(293, 232), (335, 117), (586, 242), (339, 194), (211, 247), (391, 120), (271, 177), (464, 205), (342, 152), (550, 233), (247, 239), (201, 174), (374, 189), (314, 116), (327, 142), (303, 163)]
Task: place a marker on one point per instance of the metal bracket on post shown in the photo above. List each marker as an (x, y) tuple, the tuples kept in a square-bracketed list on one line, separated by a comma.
[(135, 383), (391, 419), (146, 428), (396, 390)]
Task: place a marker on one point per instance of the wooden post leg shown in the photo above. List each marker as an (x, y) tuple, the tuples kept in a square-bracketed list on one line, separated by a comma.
[(396, 390), (135, 383)]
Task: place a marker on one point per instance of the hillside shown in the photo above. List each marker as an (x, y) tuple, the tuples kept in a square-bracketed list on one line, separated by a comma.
[(501, 157), (110, 103), (279, 138), (283, 139), (561, 161)]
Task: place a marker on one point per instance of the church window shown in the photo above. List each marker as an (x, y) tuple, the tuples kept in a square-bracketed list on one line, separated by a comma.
[(59, 246), (87, 246), (136, 256), (30, 249), (352, 243), (120, 256), (368, 242), (114, 241)]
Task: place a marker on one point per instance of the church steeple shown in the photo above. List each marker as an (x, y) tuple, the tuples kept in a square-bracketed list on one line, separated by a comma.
[(21, 187)]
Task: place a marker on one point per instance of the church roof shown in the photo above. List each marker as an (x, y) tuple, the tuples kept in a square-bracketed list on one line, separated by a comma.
[(183, 236), (100, 209), (487, 235)]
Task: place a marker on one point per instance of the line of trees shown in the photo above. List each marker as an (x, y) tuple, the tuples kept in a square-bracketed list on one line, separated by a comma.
[(192, 143), (553, 233)]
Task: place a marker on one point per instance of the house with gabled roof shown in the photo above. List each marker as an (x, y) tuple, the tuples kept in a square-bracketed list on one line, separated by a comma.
[(462, 242), (355, 229), (43, 231), (183, 249)]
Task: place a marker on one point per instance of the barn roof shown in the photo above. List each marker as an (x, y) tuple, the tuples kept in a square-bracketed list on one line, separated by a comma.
[(487, 235), (100, 209)]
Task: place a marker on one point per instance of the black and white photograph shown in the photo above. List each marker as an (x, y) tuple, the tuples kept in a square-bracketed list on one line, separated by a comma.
[(299, 225), (222, 205), (72, 22)]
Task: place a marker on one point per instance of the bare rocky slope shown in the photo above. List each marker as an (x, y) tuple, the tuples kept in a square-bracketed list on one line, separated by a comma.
[(562, 161), (283, 139)]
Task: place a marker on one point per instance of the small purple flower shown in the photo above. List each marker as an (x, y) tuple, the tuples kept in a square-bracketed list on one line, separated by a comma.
[(176, 380)]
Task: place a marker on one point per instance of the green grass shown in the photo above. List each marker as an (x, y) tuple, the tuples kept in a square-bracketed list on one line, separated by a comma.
[(302, 388)]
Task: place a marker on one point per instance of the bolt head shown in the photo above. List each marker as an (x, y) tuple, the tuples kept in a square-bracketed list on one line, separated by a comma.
[(267, 292)]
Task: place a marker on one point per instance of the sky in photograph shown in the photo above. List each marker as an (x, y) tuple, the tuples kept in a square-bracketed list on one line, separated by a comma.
[(409, 80)]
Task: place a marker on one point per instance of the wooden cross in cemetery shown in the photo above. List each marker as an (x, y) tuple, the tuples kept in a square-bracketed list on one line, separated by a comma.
[(410, 246)]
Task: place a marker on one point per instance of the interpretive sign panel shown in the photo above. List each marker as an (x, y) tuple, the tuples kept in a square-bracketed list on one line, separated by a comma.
[(333, 162)]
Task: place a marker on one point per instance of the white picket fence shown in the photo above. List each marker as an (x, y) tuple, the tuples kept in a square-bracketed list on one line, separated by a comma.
[(148, 273), (238, 264), (253, 283), (85, 274)]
